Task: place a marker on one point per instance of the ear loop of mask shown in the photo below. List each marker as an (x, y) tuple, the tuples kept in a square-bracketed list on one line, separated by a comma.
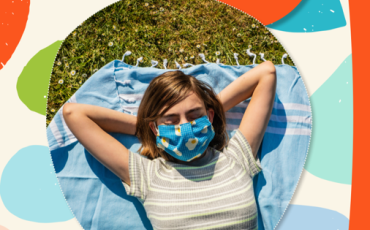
[(155, 126)]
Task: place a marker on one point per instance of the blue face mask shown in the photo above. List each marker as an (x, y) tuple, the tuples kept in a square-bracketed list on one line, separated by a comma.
[(186, 141)]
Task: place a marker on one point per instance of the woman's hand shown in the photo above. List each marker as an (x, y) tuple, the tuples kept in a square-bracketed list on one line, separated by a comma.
[(90, 125), (260, 83)]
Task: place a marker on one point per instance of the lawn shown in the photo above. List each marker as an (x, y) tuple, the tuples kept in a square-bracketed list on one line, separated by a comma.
[(158, 30)]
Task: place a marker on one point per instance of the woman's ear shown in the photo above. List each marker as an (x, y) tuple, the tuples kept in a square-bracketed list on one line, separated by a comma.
[(211, 114)]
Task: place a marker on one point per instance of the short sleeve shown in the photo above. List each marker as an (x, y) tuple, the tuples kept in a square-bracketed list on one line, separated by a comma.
[(240, 150), (140, 172)]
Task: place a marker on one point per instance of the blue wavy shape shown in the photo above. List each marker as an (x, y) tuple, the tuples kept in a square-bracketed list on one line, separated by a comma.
[(308, 217), (312, 16), (29, 187)]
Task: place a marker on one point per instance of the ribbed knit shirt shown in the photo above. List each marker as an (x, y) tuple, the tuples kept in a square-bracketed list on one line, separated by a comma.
[(214, 192)]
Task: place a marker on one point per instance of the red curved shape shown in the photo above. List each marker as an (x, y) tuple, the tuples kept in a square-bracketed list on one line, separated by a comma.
[(13, 20), (360, 201), (267, 11)]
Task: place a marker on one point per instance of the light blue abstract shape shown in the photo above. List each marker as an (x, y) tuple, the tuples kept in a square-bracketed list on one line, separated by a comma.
[(308, 217), (330, 152), (312, 16), (29, 187)]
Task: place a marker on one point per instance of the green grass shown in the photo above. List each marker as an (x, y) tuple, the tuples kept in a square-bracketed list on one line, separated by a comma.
[(169, 30)]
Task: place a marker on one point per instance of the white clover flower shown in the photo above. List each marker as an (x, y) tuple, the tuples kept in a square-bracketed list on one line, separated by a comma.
[(73, 72), (178, 130), (110, 44), (192, 142), (194, 157), (159, 145), (84, 75), (165, 141), (61, 81), (217, 53), (178, 153)]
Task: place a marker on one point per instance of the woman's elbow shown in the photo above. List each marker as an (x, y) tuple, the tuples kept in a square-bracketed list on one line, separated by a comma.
[(68, 109), (270, 67)]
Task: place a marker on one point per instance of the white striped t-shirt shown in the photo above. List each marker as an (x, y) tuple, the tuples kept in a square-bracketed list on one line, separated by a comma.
[(216, 193)]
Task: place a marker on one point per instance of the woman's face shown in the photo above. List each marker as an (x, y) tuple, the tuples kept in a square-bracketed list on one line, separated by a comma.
[(189, 109)]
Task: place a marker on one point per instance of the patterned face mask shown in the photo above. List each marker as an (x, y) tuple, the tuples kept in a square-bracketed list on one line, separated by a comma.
[(186, 141)]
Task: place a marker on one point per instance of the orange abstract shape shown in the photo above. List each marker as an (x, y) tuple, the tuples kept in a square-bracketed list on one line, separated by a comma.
[(13, 20), (360, 167), (267, 11)]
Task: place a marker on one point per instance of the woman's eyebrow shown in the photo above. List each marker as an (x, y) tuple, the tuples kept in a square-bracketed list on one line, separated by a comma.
[(174, 114)]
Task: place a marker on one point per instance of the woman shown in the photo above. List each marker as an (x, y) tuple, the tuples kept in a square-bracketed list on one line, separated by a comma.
[(191, 176)]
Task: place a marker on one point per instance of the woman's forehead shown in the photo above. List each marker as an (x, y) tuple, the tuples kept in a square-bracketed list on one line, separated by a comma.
[(192, 101)]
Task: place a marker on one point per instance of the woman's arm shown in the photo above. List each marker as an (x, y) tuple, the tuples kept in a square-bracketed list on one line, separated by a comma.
[(260, 83), (90, 125)]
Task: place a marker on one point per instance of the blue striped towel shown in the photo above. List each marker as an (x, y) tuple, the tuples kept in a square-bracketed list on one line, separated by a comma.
[(95, 194)]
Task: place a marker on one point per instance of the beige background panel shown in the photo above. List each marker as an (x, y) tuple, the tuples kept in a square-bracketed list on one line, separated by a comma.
[(317, 192)]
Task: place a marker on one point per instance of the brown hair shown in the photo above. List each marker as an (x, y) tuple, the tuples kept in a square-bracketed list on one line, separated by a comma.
[(165, 91)]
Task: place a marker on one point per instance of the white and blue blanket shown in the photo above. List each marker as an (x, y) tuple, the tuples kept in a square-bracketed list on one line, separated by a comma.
[(97, 196)]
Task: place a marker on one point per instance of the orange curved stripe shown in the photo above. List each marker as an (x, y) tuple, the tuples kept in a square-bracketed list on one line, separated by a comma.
[(13, 20), (360, 201), (267, 11)]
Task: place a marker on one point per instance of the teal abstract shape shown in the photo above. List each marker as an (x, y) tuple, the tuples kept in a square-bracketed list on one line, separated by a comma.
[(308, 217), (330, 152), (312, 16), (33, 83), (29, 187)]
